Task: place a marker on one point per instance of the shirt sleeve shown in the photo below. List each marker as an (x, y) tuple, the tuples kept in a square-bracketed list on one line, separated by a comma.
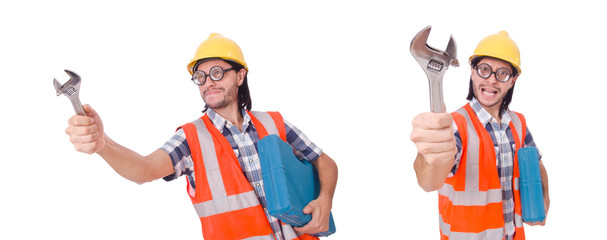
[(530, 143), (179, 151), (302, 146)]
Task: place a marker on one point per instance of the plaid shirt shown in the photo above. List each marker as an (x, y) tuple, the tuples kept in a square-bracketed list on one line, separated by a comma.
[(501, 134), (244, 145)]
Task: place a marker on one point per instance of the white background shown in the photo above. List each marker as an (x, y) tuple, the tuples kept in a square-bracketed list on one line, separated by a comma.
[(341, 71)]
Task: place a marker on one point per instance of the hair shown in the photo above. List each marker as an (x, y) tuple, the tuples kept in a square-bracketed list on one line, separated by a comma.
[(244, 97), (508, 98)]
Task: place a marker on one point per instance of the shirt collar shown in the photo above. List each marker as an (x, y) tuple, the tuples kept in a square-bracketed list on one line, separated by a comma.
[(485, 117), (219, 122)]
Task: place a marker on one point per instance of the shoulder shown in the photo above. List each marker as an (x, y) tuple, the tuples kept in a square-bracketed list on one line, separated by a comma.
[(275, 116), (189, 129), (518, 119), (259, 113), (516, 114), (195, 121)]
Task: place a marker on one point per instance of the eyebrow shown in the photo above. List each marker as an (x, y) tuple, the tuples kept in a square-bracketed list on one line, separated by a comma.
[(506, 63), (215, 66)]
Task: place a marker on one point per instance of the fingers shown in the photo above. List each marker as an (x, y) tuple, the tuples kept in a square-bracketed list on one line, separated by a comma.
[(80, 130), (542, 223), (84, 138), (430, 120), (86, 132), (432, 127), (78, 120), (440, 142), (319, 222), (433, 137)]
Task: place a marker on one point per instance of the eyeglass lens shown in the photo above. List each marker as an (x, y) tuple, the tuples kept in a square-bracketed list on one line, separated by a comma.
[(216, 73)]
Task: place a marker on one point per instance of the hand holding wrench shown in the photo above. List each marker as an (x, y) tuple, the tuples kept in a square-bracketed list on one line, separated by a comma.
[(434, 62), (71, 89)]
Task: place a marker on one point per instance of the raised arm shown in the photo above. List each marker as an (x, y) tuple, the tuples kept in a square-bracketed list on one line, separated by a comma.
[(88, 136)]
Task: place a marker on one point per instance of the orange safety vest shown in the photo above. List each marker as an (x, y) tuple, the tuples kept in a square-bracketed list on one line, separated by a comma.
[(224, 199), (470, 202)]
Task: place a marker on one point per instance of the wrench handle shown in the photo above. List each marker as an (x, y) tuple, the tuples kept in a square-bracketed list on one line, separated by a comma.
[(77, 106), (437, 104)]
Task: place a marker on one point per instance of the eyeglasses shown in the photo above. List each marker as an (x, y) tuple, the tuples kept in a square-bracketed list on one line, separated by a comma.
[(216, 74), (502, 74)]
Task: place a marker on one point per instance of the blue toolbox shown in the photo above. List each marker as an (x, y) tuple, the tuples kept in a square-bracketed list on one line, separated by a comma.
[(289, 183), (532, 197)]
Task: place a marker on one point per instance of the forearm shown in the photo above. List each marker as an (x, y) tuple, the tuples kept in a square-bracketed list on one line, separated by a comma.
[(320, 208), (87, 135), (133, 166), (431, 177), (544, 176), (327, 175)]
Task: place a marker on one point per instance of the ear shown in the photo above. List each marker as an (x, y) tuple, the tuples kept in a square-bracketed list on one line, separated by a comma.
[(512, 82), (472, 71), (240, 75)]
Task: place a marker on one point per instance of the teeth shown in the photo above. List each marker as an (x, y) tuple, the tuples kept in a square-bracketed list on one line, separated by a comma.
[(490, 93)]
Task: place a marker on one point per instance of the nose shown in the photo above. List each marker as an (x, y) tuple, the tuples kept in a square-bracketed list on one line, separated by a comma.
[(492, 78), (209, 82)]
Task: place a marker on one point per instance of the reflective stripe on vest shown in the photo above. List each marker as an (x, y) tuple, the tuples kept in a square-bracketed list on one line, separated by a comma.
[(470, 202), (518, 123), (224, 199)]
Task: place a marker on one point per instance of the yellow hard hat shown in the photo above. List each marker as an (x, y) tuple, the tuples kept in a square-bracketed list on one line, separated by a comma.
[(499, 46), (218, 46)]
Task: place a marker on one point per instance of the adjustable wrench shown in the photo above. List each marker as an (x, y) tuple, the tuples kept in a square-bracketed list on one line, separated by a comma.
[(71, 89), (434, 62)]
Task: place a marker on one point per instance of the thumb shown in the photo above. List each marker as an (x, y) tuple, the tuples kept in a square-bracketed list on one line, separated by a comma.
[(89, 110), (307, 209)]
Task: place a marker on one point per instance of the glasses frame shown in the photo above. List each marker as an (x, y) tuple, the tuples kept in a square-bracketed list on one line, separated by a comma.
[(478, 71), (205, 75)]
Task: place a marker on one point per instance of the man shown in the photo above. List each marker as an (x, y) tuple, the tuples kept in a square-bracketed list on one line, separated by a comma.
[(217, 153), (478, 188)]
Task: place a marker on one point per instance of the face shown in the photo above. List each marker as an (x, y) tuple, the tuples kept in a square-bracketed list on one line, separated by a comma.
[(490, 92), (222, 93)]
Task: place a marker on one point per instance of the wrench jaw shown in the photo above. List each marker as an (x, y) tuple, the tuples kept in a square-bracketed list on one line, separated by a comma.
[(74, 78), (57, 86), (452, 52), (71, 89), (418, 45)]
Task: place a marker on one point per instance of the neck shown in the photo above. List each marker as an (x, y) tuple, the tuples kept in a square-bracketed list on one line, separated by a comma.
[(232, 114), (494, 111)]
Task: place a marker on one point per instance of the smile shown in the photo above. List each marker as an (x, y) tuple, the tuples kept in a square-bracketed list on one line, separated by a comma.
[(212, 91), (488, 92)]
